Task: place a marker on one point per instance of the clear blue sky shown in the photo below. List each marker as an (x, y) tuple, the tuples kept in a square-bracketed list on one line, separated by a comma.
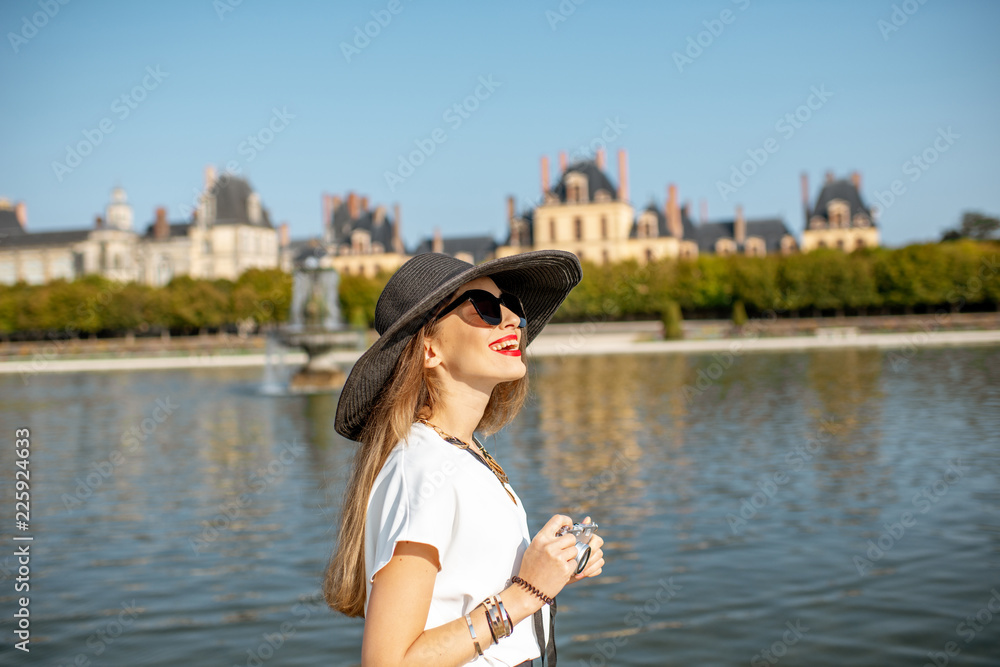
[(891, 93)]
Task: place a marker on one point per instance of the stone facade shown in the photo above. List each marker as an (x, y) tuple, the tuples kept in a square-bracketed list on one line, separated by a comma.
[(585, 213), (840, 219), (230, 232)]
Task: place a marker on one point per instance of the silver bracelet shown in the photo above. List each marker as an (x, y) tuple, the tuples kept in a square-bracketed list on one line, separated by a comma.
[(472, 631), (509, 625)]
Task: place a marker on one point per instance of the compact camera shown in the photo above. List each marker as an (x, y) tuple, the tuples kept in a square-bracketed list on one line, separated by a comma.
[(583, 532)]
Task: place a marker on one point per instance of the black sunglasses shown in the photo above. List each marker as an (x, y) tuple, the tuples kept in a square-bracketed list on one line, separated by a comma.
[(488, 306)]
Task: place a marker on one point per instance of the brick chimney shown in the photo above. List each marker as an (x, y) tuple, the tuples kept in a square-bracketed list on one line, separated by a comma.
[(352, 206), (545, 174), (378, 216), (161, 229), (283, 238), (327, 204), (21, 213), (397, 242), (600, 159), (673, 213), (98, 222), (335, 203), (804, 178), (210, 177), (510, 208), (622, 175), (437, 244), (856, 179), (739, 227), (562, 163), (829, 177), (364, 204), (703, 213)]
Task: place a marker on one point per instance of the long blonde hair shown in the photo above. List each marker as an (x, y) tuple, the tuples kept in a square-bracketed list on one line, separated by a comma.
[(410, 392)]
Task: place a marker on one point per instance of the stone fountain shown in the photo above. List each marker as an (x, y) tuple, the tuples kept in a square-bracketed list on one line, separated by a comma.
[(315, 325)]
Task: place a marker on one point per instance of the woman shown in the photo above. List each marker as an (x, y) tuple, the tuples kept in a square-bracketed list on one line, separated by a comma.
[(434, 549)]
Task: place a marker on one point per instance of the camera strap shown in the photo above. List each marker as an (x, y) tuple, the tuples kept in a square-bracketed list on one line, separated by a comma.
[(547, 649)]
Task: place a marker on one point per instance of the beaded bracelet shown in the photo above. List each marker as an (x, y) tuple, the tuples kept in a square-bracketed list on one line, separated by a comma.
[(531, 589)]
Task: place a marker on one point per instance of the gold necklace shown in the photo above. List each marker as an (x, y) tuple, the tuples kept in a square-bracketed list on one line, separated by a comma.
[(490, 461)]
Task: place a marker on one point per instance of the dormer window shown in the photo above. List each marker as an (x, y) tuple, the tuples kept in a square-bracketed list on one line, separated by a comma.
[(647, 226), (725, 247), (838, 213), (253, 208), (576, 188), (361, 242)]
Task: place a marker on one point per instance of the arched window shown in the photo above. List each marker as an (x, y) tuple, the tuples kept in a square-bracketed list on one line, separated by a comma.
[(578, 229), (552, 229)]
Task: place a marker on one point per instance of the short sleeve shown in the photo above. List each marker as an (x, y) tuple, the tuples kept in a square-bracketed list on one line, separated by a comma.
[(412, 500)]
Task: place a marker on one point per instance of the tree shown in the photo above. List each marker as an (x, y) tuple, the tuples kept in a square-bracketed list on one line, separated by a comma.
[(975, 226)]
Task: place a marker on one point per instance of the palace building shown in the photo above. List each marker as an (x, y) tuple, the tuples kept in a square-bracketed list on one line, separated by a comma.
[(229, 233), (840, 218), (585, 213)]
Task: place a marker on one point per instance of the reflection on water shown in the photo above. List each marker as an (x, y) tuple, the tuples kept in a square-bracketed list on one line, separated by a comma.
[(750, 504)]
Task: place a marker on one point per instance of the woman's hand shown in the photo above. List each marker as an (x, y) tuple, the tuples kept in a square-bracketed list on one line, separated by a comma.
[(549, 561), (596, 562)]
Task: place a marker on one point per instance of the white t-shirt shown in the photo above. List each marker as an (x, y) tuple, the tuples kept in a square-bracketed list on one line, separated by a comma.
[(433, 492)]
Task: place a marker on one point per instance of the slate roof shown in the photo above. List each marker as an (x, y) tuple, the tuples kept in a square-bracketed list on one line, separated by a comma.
[(9, 226), (770, 229), (344, 226), (840, 189), (480, 247), (231, 195), (596, 180), (34, 239), (176, 229)]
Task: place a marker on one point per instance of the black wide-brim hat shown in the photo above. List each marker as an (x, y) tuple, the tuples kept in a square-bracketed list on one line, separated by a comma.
[(540, 279)]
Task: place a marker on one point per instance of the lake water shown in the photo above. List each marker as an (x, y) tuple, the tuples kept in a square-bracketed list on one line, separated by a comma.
[(836, 507)]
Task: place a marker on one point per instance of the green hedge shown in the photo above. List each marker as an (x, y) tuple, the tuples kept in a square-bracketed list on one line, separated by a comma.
[(950, 275), (94, 304)]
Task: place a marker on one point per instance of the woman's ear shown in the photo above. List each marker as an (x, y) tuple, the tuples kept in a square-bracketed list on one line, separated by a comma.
[(431, 356)]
